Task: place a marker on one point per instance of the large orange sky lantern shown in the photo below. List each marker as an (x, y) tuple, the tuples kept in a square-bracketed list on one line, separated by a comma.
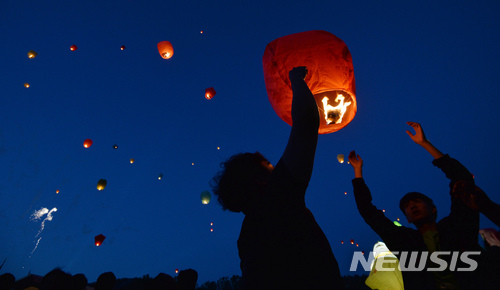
[(165, 49), (330, 76)]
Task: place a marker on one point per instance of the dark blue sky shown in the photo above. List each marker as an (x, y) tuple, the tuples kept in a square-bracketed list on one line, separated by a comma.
[(433, 62)]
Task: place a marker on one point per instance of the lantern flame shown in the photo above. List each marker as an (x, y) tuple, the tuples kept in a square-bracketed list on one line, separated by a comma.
[(166, 55), (335, 114)]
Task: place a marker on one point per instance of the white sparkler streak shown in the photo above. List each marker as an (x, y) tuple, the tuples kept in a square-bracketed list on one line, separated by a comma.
[(36, 246), (37, 215)]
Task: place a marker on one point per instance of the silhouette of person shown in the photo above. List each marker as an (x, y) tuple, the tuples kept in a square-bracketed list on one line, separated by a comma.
[(456, 232), (281, 246), (475, 198), (57, 279), (162, 281), (105, 281), (80, 281), (7, 281), (187, 279)]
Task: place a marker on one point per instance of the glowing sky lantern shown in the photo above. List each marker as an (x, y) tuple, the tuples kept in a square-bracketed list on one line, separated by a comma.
[(209, 93), (160, 176), (115, 146), (101, 184), (352, 242), (32, 54), (26, 85), (385, 270), (87, 143), (340, 158), (165, 49), (99, 239), (73, 47), (122, 47), (330, 76), (205, 197), (132, 160), (176, 271)]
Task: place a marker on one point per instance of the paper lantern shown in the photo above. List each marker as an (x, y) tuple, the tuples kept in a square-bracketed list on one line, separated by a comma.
[(165, 49), (122, 47), (87, 143), (330, 76), (160, 176), (115, 146), (26, 85), (99, 239), (32, 54), (205, 197), (132, 160), (340, 158), (73, 47), (209, 93), (101, 184)]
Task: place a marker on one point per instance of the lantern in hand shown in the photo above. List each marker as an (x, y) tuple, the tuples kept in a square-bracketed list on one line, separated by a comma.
[(330, 76)]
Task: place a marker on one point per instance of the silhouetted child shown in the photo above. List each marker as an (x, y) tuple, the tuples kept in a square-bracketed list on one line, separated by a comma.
[(281, 246), (456, 232), (80, 281), (187, 279), (105, 281), (7, 281), (57, 279)]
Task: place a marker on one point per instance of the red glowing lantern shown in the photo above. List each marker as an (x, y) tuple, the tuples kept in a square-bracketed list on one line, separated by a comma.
[(330, 76), (87, 143), (165, 49), (352, 242), (99, 239), (209, 93), (73, 47)]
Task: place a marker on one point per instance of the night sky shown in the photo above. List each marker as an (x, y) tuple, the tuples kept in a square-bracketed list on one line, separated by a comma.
[(433, 62)]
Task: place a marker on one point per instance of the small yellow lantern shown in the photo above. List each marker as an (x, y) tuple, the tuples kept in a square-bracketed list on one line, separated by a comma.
[(32, 54), (132, 160), (205, 197), (340, 158), (101, 184)]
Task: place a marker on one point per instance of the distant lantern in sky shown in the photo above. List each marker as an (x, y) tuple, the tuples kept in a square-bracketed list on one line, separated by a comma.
[(101, 184), (122, 47), (352, 242), (32, 54), (165, 49), (99, 239), (26, 85), (87, 143), (160, 176), (57, 191), (176, 271), (73, 47), (132, 160), (342, 242), (330, 76), (209, 93), (115, 146), (340, 158), (205, 197)]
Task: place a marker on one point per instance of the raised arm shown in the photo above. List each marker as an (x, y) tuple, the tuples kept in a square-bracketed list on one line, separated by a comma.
[(420, 139), (356, 163), (301, 148)]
